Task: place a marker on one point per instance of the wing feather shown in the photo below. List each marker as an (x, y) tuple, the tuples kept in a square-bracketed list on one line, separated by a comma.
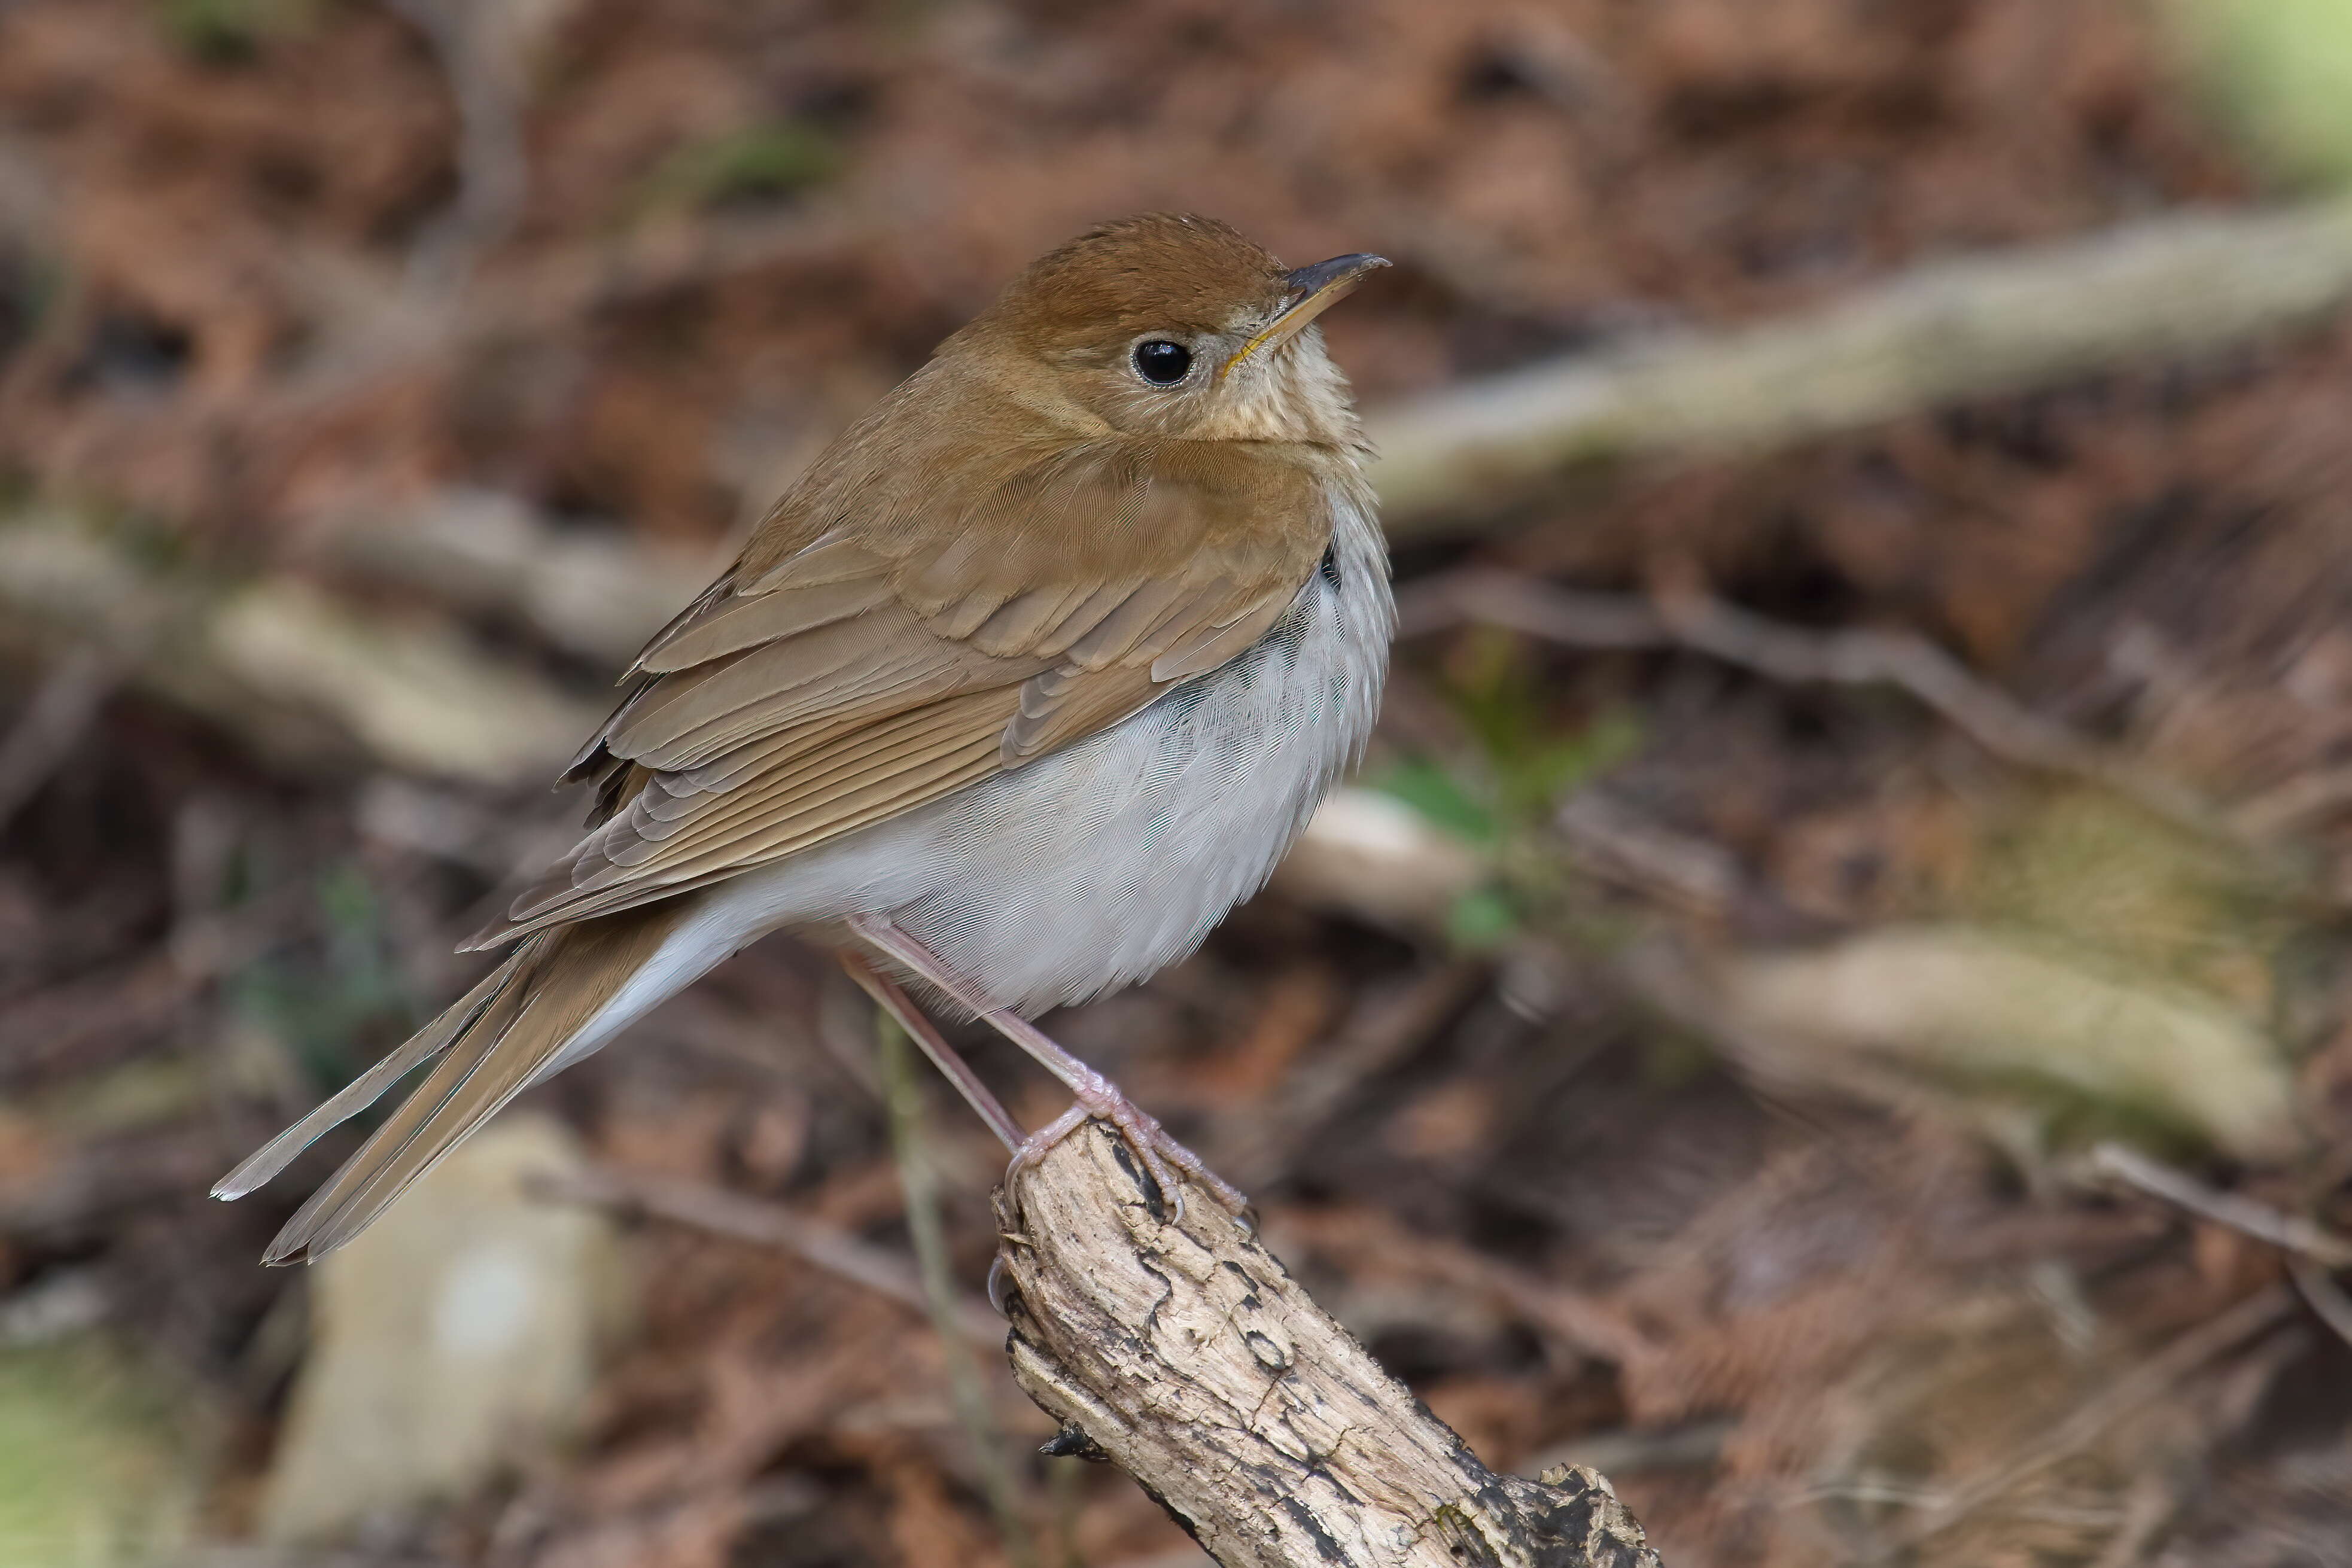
[(868, 656), (747, 621)]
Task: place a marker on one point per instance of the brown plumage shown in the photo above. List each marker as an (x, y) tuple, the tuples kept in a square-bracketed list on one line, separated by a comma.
[(490, 1047), (1022, 546), (983, 569)]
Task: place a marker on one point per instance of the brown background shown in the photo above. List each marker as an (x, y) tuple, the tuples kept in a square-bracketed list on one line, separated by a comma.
[(257, 287)]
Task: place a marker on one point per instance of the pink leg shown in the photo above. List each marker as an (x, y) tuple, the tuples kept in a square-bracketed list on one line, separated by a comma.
[(902, 1007), (1095, 1095)]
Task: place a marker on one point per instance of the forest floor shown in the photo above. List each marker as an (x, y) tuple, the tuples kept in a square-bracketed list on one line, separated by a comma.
[(1738, 1133)]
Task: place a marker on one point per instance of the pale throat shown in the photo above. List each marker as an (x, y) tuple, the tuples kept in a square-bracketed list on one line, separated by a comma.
[(1292, 393)]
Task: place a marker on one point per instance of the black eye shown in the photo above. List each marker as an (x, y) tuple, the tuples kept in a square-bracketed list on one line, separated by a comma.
[(1162, 362)]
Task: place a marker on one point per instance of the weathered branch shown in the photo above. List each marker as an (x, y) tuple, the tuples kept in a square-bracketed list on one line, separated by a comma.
[(296, 673), (485, 552), (2288, 1232), (1971, 328), (1168, 1340)]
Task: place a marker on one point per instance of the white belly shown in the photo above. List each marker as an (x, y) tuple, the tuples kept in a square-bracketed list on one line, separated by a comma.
[(1112, 858)]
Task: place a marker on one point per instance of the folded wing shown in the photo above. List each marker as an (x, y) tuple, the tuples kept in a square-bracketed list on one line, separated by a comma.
[(867, 666)]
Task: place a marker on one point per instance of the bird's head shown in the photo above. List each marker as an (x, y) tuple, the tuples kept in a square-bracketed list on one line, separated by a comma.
[(1171, 326)]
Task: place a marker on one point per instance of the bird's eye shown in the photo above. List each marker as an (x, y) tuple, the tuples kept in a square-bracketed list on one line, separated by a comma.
[(1162, 362)]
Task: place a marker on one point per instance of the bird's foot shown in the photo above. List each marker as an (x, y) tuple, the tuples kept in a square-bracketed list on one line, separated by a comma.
[(1097, 1096), (1153, 1147)]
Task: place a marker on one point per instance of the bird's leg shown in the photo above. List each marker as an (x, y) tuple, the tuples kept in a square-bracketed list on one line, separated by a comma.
[(1095, 1094), (891, 999)]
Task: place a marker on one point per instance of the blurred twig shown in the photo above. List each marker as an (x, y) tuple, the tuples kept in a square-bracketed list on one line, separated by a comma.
[(768, 1225), (1614, 841), (1257, 1142), (2288, 1232), (50, 1024), (481, 551), (2295, 804), (1986, 325), (903, 1093), (2323, 1295), (285, 669), (2149, 1504), (2313, 1251), (1693, 620)]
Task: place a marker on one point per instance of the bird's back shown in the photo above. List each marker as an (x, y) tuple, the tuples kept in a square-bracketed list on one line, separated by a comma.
[(1113, 857)]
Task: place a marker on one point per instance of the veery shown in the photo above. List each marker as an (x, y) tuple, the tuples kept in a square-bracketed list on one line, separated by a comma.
[(1033, 675)]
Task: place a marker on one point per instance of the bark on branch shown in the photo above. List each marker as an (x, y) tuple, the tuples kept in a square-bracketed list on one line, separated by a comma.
[(1176, 1346)]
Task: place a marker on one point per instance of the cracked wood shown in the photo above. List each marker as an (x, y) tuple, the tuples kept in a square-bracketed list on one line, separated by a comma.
[(1175, 1345)]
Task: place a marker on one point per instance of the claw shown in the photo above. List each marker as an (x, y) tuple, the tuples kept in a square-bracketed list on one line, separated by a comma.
[(1152, 1143)]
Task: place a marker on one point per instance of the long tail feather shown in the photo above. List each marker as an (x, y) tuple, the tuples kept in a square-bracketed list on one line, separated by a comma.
[(492, 1045), (364, 1091)]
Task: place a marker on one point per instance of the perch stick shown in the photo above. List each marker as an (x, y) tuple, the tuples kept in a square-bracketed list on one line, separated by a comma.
[(1166, 1339)]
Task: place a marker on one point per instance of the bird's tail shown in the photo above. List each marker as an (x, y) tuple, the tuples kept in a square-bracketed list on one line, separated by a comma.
[(494, 1042)]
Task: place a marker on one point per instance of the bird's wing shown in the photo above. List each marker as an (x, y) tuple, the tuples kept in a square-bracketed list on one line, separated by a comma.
[(866, 670)]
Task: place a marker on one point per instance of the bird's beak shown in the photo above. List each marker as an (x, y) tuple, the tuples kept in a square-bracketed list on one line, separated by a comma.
[(1313, 290)]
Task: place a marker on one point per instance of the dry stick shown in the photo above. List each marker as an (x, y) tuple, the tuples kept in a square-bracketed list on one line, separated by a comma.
[(2312, 1251), (2295, 803), (312, 683), (742, 1218), (1257, 1142), (904, 1096), (2173, 286), (2142, 1385), (1900, 659), (2323, 1295), (2288, 1232), (1175, 1344)]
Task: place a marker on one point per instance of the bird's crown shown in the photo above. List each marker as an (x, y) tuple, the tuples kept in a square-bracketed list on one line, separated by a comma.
[(1159, 271)]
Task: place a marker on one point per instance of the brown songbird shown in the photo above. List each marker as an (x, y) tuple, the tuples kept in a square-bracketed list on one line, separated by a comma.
[(1036, 673)]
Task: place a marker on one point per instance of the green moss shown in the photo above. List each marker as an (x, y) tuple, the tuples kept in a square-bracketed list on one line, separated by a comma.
[(229, 32), (1501, 795), (95, 1464), (2279, 73)]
